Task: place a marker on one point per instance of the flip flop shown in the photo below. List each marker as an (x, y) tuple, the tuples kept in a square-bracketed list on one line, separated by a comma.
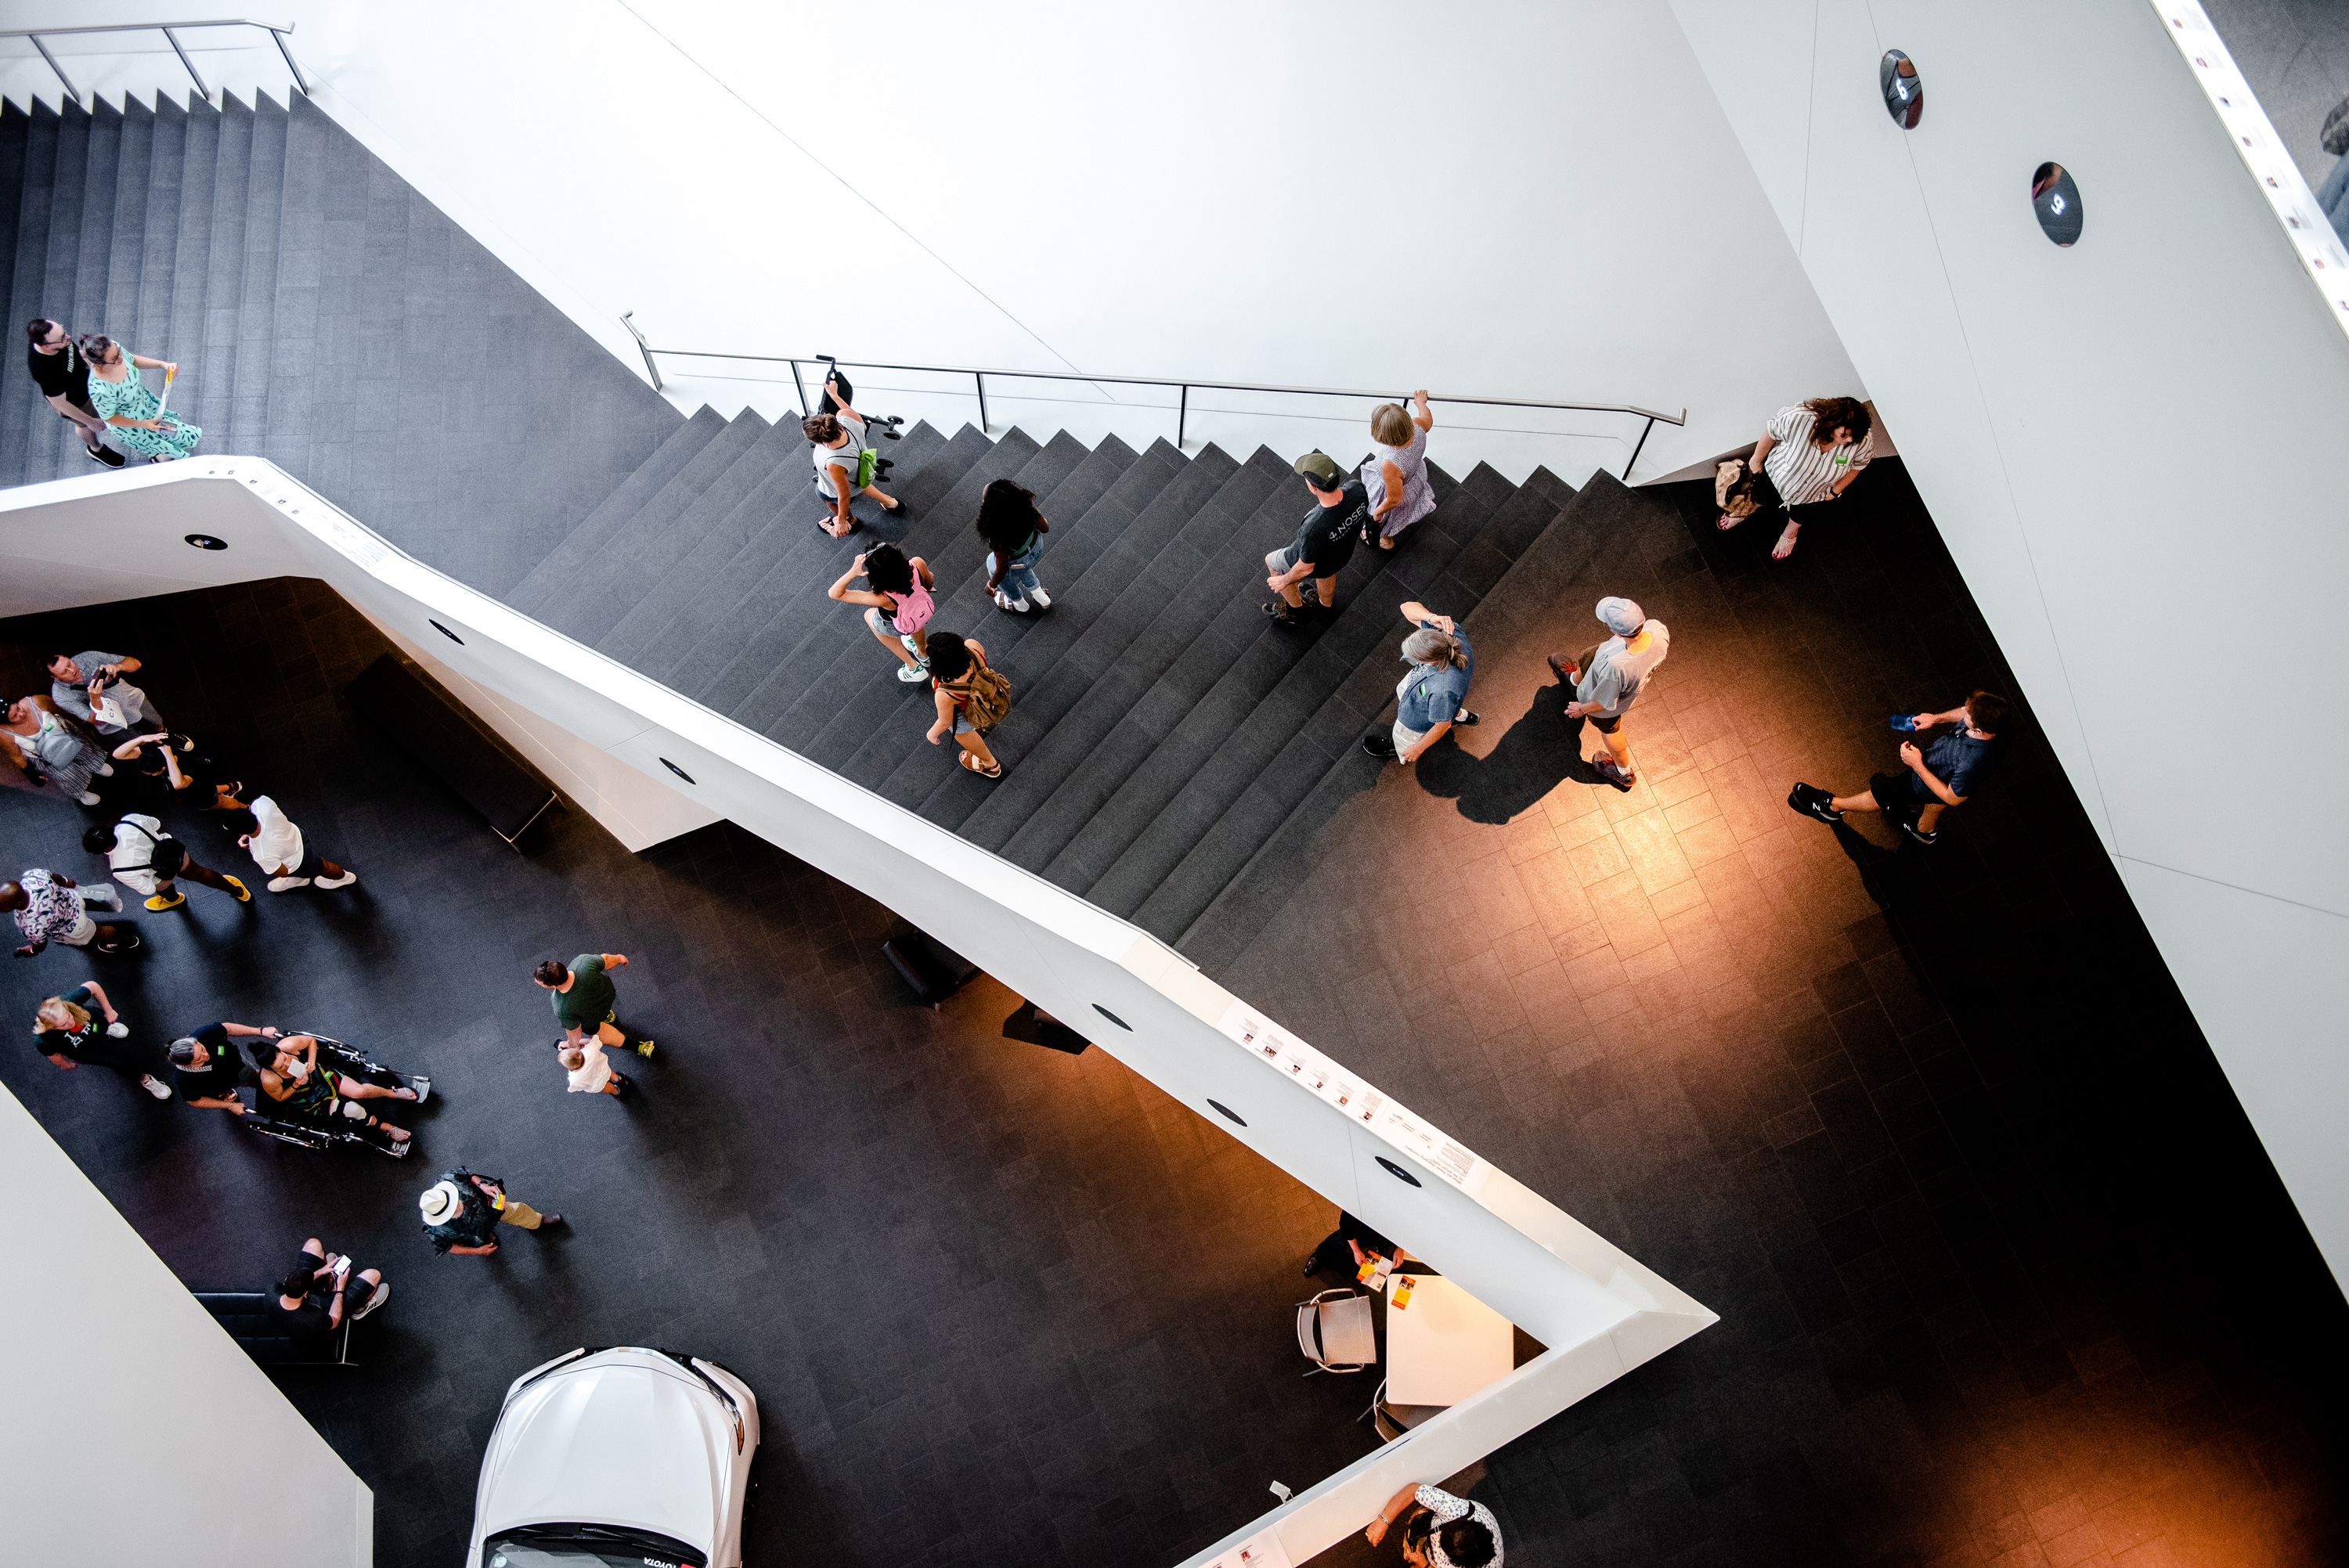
[(1784, 548), (1726, 523)]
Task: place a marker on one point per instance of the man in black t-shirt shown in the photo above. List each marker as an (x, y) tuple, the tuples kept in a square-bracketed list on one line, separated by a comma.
[(63, 376), (1325, 541), (206, 1065)]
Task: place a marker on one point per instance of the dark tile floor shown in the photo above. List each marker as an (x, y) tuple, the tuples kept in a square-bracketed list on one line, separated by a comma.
[(999, 1305), (2004, 1276)]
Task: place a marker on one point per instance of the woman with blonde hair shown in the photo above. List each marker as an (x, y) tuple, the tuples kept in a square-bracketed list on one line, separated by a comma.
[(67, 1032), (1396, 475)]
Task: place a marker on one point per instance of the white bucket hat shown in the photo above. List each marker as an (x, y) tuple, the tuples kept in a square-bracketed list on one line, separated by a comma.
[(441, 1202)]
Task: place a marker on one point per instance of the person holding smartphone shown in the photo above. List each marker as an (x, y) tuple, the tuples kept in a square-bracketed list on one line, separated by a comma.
[(311, 1298), (90, 686)]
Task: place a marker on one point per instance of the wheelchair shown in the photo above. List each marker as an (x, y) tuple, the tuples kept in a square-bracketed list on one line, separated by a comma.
[(269, 1120)]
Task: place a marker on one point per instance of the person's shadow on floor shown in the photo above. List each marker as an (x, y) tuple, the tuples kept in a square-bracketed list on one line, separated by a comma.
[(1536, 753), (1884, 875)]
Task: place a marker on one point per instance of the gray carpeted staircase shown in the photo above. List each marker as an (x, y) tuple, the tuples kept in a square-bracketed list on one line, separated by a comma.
[(1169, 750)]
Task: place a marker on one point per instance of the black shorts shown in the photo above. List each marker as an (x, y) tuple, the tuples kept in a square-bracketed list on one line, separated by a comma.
[(1897, 792), (1605, 724)]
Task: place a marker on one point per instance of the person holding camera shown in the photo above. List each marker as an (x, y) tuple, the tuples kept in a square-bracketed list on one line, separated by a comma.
[(1442, 1531), (462, 1212), (90, 686), (309, 1301)]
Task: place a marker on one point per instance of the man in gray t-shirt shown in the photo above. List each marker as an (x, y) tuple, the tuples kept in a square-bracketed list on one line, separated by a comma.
[(72, 679), (1608, 679)]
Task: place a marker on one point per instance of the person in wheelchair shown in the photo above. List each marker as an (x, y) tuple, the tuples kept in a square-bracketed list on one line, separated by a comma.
[(304, 1091)]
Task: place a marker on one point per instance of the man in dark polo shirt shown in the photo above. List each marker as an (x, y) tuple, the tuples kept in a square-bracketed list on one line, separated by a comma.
[(63, 377), (207, 1069), (1930, 778), (1324, 543)]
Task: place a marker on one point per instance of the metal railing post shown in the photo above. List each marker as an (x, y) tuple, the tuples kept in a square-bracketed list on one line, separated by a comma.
[(173, 39), (651, 370), (980, 376), (1635, 450), (299, 79), (806, 409), (1182, 416), (72, 91)]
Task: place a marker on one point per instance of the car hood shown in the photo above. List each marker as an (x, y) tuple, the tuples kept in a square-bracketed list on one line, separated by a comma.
[(623, 1437)]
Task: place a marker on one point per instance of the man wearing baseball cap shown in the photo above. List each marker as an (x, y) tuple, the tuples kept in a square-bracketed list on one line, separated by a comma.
[(1324, 543), (462, 1212), (1608, 679)]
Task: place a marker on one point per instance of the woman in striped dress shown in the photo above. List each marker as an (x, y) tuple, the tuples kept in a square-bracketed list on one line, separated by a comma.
[(1811, 452)]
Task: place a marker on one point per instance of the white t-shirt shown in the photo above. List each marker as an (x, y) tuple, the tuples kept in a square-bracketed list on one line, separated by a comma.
[(134, 854), (277, 842), (845, 456), (591, 1076)]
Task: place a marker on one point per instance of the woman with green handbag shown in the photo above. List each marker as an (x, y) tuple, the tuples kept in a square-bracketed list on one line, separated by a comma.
[(844, 462)]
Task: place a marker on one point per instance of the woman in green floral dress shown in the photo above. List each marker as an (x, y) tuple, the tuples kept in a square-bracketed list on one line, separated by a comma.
[(120, 398)]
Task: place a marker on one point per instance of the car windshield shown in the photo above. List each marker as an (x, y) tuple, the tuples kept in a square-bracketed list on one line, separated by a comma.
[(586, 1546)]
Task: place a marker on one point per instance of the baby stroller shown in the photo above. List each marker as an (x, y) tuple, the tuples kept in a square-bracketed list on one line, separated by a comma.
[(875, 424), (270, 1120)]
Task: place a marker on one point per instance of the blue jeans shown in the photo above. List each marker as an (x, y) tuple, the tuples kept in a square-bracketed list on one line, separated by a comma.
[(1020, 577)]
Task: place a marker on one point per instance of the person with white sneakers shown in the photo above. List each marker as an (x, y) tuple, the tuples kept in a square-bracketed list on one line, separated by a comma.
[(145, 859), (67, 1030), (279, 849), (1014, 528), (310, 1298), (50, 908)]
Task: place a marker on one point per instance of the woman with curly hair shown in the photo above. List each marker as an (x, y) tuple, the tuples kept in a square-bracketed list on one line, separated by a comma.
[(1810, 453)]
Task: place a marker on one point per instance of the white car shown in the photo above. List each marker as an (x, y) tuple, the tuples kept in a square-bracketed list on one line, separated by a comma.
[(622, 1457)]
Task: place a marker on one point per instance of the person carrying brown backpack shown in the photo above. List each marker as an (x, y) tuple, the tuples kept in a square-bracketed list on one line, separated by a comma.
[(971, 698)]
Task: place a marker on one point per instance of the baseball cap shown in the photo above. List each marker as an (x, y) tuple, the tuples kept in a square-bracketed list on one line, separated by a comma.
[(1319, 470), (1622, 616)]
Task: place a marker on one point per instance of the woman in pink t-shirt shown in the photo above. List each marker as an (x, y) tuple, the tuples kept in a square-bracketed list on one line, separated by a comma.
[(899, 606)]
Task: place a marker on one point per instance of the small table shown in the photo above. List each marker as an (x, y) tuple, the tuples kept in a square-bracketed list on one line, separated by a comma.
[(1445, 1345)]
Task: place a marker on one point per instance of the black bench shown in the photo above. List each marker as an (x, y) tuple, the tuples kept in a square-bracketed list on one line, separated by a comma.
[(397, 696), (246, 1315)]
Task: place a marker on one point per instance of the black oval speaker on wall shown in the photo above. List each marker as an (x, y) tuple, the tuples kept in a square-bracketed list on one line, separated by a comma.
[(1396, 1169), (1903, 88), (206, 542), (444, 631), (1228, 1111), (676, 769), (1113, 1017), (2056, 201)]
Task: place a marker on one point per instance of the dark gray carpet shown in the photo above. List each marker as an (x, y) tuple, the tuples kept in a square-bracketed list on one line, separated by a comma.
[(1931, 1129), (323, 314), (999, 1304)]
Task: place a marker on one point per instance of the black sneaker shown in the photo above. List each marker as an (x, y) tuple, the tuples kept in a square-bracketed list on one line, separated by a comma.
[(1378, 743), (1465, 718), (105, 457), (1282, 615), (1813, 801), (1908, 826)]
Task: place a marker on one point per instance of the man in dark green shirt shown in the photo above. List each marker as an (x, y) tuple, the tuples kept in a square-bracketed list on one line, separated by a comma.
[(585, 1000)]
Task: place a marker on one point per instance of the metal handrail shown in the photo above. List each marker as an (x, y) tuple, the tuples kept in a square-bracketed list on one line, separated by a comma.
[(170, 35), (978, 378)]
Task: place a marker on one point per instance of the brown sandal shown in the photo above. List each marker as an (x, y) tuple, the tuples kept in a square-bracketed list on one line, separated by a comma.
[(971, 762)]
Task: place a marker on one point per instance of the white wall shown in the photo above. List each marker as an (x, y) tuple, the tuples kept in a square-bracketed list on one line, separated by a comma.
[(132, 1428), (2134, 449), (1536, 200), (1598, 1310)]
